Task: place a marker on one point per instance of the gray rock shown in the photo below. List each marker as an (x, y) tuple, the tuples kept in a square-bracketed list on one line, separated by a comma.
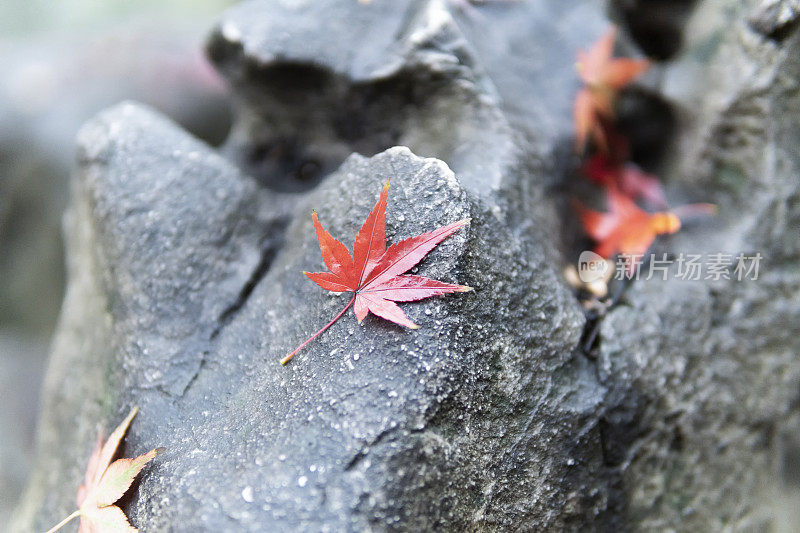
[(186, 290), (774, 17), (50, 84), (702, 417), (444, 80), (371, 426)]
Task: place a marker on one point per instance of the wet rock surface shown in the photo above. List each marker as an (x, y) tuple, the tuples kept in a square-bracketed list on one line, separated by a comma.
[(186, 289)]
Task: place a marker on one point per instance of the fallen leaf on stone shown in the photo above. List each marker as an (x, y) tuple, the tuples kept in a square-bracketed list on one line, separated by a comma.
[(374, 273), (627, 177), (603, 76), (105, 483), (625, 228)]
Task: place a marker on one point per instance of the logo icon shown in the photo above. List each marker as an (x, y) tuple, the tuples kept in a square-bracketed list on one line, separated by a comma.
[(592, 267)]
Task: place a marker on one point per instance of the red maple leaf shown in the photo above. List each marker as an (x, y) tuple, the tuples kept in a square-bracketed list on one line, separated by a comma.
[(374, 273), (625, 228), (627, 177), (603, 76)]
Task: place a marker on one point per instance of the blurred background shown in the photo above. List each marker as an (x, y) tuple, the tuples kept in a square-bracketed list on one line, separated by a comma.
[(61, 63), (64, 61)]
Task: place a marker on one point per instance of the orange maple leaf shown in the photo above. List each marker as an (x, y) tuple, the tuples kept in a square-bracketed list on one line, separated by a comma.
[(603, 76), (105, 483), (625, 228)]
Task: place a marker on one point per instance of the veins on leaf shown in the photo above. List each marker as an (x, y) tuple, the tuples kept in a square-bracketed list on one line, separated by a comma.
[(375, 274)]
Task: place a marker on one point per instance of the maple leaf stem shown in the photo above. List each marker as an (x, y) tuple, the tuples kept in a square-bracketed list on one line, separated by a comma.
[(317, 334), (64, 522)]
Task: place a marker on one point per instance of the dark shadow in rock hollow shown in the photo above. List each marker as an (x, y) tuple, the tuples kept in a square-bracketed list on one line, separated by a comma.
[(655, 25), (650, 124), (307, 119)]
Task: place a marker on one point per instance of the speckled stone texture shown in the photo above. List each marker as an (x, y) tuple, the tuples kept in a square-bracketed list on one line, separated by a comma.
[(186, 288)]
